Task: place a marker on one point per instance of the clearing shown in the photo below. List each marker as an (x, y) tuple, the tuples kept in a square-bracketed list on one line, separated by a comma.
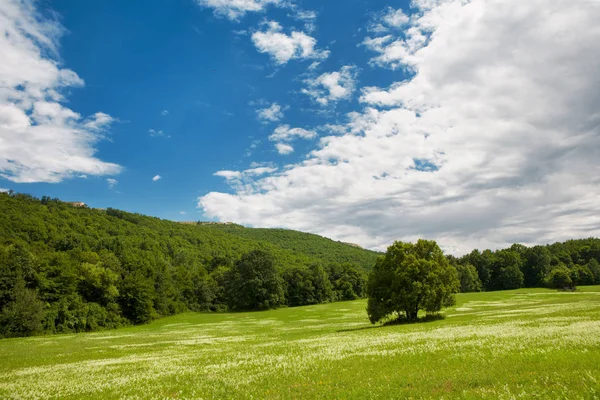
[(523, 343)]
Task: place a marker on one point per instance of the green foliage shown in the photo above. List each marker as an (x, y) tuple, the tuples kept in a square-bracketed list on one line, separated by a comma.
[(254, 283), (506, 270), (348, 281), (410, 277), (305, 286), (469, 280), (581, 275), (482, 261), (323, 290), (136, 298), (560, 278), (97, 269), (317, 247), (536, 265), (594, 267), (299, 287), (98, 284), (522, 266), (23, 315)]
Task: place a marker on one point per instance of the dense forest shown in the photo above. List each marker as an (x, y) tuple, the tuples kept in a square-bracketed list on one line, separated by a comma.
[(65, 268), (559, 265)]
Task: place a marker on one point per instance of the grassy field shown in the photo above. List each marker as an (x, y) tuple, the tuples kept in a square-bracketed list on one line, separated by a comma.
[(529, 343)]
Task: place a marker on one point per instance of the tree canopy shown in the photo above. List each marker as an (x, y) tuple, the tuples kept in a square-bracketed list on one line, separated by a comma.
[(254, 283), (410, 277), (71, 269)]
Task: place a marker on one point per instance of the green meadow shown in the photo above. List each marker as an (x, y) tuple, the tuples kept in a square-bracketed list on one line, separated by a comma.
[(527, 343)]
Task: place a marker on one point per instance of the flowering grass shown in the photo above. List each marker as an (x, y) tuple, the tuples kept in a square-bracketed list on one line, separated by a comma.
[(530, 343)]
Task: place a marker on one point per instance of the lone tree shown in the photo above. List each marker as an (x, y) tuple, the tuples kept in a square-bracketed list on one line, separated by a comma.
[(254, 283), (408, 278)]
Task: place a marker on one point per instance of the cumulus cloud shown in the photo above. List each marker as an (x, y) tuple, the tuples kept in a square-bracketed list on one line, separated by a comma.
[(284, 148), (402, 49), (286, 133), (389, 19), (164, 113), (4, 190), (494, 139), (156, 178), (236, 9), (273, 113), (41, 140), (332, 86), (245, 180), (282, 47)]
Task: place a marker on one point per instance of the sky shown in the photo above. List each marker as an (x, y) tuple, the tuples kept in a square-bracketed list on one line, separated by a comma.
[(475, 123)]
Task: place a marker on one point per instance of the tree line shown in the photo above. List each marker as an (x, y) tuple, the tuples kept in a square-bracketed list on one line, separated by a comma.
[(558, 265)]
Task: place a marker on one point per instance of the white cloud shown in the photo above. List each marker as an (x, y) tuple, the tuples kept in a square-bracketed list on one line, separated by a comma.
[(236, 9), (41, 140), (283, 148), (308, 17), (164, 113), (403, 50), (111, 183), (394, 52), (156, 178), (273, 113), (182, 212), (395, 18), (257, 171), (98, 122), (255, 164), (229, 175), (314, 65), (389, 19), (286, 133), (502, 111), (155, 133), (4, 190), (282, 47), (244, 180), (332, 86)]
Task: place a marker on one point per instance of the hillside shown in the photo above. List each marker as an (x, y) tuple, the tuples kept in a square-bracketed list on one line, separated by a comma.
[(51, 221), (306, 243), (72, 268)]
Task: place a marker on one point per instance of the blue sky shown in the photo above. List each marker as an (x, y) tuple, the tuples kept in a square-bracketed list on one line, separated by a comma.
[(364, 121), (140, 58)]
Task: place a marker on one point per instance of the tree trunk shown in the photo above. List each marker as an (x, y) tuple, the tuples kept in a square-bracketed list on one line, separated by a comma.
[(411, 315)]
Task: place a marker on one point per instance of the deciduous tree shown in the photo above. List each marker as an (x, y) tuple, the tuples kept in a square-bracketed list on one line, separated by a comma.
[(411, 277)]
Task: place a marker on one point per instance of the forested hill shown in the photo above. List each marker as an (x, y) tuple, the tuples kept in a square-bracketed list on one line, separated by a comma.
[(61, 226), (65, 268), (305, 243)]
